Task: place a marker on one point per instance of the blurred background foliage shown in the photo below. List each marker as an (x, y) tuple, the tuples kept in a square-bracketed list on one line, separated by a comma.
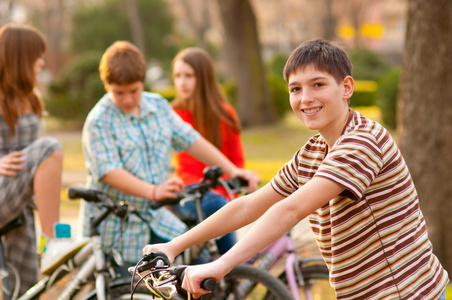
[(79, 31), (79, 87), (100, 25)]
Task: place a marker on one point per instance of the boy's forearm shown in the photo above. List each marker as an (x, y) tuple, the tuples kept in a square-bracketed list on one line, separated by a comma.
[(127, 183), (218, 224), (267, 229), (280, 218), (236, 214)]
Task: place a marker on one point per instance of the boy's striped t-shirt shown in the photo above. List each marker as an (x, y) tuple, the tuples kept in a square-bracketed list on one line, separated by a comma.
[(373, 236)]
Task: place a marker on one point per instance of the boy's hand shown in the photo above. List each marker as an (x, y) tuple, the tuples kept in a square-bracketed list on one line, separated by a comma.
[(160, 248), (251, 177), (11, 163), (194, 275), (167, 190)]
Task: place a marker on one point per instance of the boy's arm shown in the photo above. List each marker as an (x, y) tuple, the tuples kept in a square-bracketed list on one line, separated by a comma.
[(207, 153), (129, 184), (275, 222), (281, 217), (236, 214)]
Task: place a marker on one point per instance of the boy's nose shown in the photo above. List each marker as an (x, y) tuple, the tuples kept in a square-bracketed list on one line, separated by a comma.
[(307, 97)]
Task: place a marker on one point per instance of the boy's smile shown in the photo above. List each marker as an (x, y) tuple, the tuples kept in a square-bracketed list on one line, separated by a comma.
[(319, 101)]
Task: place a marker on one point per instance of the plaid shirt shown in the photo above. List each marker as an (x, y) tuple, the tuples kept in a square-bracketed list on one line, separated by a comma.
[(142, 146)]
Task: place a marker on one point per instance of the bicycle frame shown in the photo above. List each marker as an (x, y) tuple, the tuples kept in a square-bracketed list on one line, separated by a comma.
[(270, 255)]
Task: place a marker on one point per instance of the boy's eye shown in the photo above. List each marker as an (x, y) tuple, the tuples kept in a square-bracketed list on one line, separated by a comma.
[(319, 84), (294, 89)]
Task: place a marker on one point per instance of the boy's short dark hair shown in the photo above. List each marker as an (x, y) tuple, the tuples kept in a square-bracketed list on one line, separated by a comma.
[(122, 63), (323, 55)]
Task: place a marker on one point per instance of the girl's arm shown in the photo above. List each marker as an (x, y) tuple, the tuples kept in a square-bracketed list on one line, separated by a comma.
[(207, 153)]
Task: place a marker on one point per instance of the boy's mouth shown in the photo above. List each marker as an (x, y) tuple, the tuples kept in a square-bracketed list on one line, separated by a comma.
[(311, 111)]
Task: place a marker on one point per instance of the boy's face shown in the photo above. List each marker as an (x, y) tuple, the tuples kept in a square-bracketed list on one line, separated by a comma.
[(318, 100), (126, 96)]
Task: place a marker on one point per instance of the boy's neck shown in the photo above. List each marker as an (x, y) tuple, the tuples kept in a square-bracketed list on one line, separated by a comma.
[(335, 132)]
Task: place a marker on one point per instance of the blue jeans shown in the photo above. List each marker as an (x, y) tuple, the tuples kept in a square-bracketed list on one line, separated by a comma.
[(443, 295), (210, 203)]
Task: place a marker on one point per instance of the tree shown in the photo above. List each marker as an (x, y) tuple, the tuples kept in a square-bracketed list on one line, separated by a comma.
[(197, 15), (425, 114), (54, 13), (135, 24), (243, 55), (97, 26)]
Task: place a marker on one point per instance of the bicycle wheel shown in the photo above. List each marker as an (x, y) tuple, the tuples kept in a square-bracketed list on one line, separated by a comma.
[(243, 282), (248, 282), (315, 281)]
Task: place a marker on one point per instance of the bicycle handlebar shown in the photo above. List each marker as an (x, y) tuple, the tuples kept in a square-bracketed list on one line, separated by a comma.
[(91, 195), (158, 263), (235, 185)]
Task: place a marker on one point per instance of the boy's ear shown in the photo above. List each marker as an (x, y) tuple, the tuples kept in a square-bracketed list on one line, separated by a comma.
[(349, 86)]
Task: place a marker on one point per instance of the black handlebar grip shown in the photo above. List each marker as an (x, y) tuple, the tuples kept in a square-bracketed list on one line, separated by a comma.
[(76, 192), (240, 181), (158, 204), (209, 284)]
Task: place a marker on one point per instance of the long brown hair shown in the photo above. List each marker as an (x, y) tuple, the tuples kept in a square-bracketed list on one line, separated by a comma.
[(20, 47), (207, 106)]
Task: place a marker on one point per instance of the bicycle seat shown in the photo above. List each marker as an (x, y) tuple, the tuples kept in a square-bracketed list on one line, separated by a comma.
[(11, 225), (58, 251)]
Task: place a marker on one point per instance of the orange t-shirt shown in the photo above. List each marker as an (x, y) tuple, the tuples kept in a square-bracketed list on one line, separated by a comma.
[(189, 169)]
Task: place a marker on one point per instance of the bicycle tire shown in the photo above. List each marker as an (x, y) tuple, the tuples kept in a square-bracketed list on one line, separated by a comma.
[(248, 282), (315, 281)]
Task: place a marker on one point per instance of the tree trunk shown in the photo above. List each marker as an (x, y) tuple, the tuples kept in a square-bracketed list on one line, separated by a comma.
[(425, 116), (200, 23), (243, 54), (54, 12), (329, 21), (135, 25)]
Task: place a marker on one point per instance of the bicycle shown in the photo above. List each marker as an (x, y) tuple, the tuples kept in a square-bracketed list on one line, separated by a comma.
[(86, 262), (307, 277), (244, 281)]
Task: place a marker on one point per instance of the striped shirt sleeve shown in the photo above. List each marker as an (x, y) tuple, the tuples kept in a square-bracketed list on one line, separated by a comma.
[(286, 180), (353, 162)]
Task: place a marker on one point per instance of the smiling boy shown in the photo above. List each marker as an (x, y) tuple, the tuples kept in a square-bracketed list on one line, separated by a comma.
[(350, 180)]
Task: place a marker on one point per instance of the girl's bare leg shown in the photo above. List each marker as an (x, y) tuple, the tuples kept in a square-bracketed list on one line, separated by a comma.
[(47, 189)]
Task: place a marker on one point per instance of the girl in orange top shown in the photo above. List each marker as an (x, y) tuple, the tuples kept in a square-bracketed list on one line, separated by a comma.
[(200, 102)]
